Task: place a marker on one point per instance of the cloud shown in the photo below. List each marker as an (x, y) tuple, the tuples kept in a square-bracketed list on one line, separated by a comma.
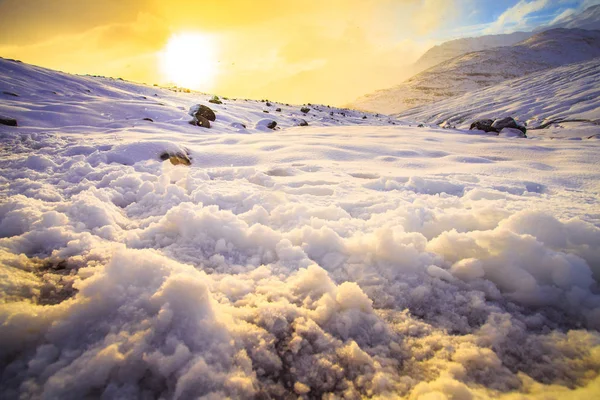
[(516, 17)]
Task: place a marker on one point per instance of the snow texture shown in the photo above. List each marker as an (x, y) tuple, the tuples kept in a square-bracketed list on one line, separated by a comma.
[(350, 258)]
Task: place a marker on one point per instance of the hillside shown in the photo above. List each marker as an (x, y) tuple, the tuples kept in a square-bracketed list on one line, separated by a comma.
[(454, 48), (587, 19), (356, 257), (570, 92), (474, 71)]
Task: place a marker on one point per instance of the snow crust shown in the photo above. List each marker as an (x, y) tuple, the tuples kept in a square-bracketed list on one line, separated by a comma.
[(351, 258)]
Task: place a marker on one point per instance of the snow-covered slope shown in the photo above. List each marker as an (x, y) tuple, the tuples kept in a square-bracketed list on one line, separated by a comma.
[(477, 70), (351, 258), (458, 47), (571, 92), (587, 19)]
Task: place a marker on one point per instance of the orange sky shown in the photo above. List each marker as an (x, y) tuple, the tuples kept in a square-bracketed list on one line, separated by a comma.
[(326, 51)]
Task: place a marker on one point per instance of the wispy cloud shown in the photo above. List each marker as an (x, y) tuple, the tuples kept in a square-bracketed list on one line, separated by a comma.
[(517, 17)]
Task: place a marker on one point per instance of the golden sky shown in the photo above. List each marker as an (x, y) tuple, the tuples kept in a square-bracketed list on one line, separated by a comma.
[(321, 51)]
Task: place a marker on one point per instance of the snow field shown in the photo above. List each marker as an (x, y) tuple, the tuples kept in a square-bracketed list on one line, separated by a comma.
[(340, 261), (351, 258)]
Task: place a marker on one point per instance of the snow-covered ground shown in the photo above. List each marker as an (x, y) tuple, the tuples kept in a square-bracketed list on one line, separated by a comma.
[(348, 258)]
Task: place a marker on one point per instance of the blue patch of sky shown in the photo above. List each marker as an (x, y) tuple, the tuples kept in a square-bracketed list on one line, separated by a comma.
[(478, 17)]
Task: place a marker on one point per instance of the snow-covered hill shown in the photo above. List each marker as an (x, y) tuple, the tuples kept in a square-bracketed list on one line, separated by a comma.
[(458, 47), (477, 70), (567, 93), (587, 19), (351, 258)]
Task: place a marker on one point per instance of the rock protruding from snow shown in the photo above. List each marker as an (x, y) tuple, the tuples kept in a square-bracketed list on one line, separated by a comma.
[(215, 100), (483, 125), (8, 121), (496, 126), (177, 158), (203, 111), (266, 124), (201, 122), (507, 122)]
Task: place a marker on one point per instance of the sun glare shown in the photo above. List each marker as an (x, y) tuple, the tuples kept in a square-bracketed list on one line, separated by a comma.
[(189, 60)]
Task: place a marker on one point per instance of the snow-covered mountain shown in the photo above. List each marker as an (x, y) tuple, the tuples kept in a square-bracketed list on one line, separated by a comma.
[(350, 258), (564, 93), (477, 70), (587, 19), (454, 48)]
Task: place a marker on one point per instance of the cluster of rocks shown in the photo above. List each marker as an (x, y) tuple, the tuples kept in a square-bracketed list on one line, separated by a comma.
[(203, 115), (507, 126)]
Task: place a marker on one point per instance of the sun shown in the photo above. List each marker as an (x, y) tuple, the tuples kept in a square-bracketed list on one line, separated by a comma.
[(189, 60)]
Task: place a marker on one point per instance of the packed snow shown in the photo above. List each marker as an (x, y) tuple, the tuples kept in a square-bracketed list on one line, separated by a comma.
[(358, 256)]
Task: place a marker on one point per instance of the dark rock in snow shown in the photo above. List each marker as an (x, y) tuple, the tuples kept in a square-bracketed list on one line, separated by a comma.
[(176, 158), (148, 119), (420, 126), (507, 122), (200, 110), (8, 121), (272, 125), (302, 122), (266, 111), (200, 121), (10, 94), (278, 109), (304, 110), (268, 104), (483, 125), (364, 117), (215, 100)]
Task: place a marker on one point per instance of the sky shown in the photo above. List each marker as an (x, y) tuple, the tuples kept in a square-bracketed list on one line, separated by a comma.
[(330, 51)]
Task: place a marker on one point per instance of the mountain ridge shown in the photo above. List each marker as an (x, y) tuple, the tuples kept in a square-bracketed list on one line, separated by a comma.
[(476, 70)]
